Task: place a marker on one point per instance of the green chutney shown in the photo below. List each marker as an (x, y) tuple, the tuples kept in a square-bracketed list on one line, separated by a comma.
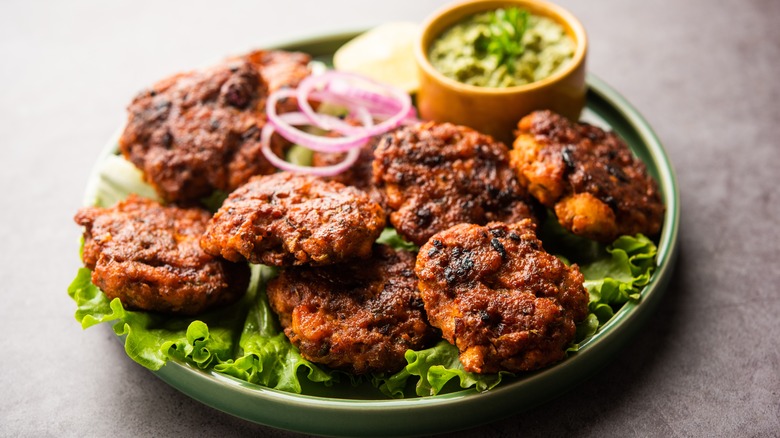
[(466, 52)]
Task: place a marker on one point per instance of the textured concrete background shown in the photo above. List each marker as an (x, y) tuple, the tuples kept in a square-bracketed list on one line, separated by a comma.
[(704, 74)]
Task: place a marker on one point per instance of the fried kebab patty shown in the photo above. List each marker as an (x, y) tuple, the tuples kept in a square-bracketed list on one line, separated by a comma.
[(148, 256), (597, 188), (360, 174), (499, 297), (197, 132), (286, 219), (359, 317), (436, 175)]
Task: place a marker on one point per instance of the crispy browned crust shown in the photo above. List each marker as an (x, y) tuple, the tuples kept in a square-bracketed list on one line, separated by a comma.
[(499, 297), (597, 188), (359, 317), (436, 175), (286, 219), (197, 132), (280, 69), (148, 256), (359, 175)]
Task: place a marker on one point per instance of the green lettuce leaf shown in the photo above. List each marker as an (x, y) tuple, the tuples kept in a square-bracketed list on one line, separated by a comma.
[(619, 276), (152, 339), (266, 355), (614, 274), (214, 201), (434, 368), (116, 179), (390, 237), (585, 329)]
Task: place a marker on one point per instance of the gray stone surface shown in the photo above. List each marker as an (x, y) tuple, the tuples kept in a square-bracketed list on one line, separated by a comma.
[(703, 73)]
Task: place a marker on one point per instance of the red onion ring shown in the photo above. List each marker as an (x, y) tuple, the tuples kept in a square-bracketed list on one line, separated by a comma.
[(364, 98), (338, 84), (265, 147), (311, 141)]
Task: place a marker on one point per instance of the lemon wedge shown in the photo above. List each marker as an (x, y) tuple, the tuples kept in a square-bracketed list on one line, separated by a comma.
[(384, 53)]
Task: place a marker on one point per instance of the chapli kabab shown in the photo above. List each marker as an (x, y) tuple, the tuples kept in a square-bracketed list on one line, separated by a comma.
[(286, 219), (498, 296), (148, 256), (197, 132), (359, 316), (436, 175), (597, 188)]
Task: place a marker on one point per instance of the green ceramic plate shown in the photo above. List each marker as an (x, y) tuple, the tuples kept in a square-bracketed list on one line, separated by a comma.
[(348, 411)]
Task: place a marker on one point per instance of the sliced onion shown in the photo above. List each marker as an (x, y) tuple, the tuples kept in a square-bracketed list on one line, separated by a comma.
[(338, 125), (365, 99), (341, 84), (335, 169), (311, 141), (364, 116)]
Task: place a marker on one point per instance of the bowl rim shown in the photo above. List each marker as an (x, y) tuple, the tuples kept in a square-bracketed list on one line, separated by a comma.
[(551, 10)]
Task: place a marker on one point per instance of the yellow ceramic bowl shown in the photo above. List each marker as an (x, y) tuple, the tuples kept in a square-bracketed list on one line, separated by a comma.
[(496, 111)]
